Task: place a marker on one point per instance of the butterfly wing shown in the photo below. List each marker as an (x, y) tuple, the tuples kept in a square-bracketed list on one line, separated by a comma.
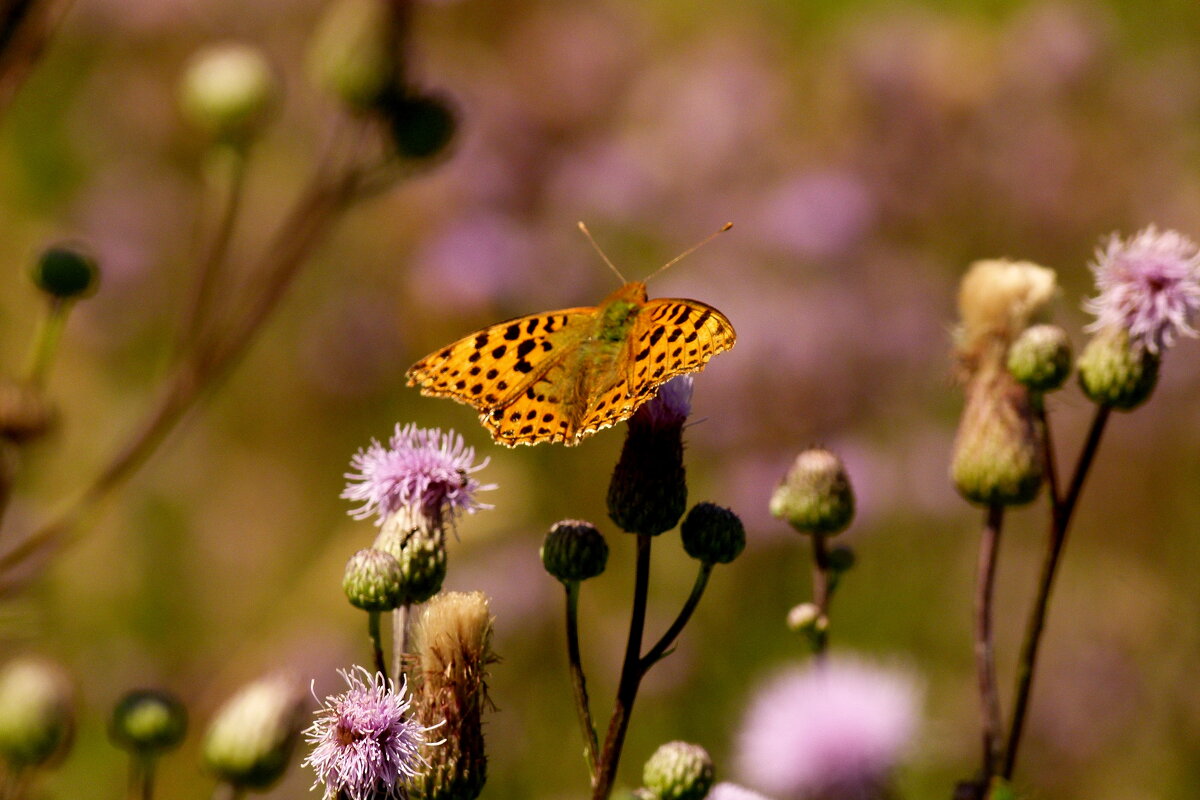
[(498, 366), (670, 337)]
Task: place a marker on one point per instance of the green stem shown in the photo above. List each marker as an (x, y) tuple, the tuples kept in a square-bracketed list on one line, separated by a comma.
[(985, 658), (579, 682), (377, 643), (1060, 519), (45, 341), (660, 648), (631, 676)]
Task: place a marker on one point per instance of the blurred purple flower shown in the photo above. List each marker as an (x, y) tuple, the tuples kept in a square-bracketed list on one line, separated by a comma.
[(731, 791), (670, 407), (819, 215), (420, 469), (831, 729), (363, 740), (1149, 285), (477, 259)]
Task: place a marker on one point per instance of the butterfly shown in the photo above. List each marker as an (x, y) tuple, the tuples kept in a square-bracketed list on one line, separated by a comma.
[(560, 376)]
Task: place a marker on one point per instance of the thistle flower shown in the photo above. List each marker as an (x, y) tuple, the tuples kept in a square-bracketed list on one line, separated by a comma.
[(1149, 286), (454, 649), (833, 729), (250, 741), (678, 771), (365, 743), (421, 469), (648, 491), (731, 791), (37, 713)]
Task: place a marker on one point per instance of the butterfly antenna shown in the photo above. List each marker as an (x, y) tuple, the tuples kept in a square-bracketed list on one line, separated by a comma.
[(595, 246), (689, 251)]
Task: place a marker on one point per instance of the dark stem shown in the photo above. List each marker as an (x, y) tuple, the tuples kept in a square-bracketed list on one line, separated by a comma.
[(377, 643), (1060, 519), (985, 658), (399, 638), (631, 676), (822, 591), (582, 706), (660, 647)]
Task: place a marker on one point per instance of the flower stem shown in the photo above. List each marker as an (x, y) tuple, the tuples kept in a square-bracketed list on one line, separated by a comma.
[(399, 639), (822, 592), (985, 658), (141, 778), (660, 648), (45, 341), (582, 706), (377, 643), (1060, 519), (631, 675)]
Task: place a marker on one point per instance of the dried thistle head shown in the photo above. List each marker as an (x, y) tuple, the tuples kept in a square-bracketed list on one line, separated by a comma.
[(453, 649), (998, 299)]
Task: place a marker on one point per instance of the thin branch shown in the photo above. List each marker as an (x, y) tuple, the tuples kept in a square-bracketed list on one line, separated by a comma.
[(660, 648), (579, 682), (985, 658), (1060, 519)]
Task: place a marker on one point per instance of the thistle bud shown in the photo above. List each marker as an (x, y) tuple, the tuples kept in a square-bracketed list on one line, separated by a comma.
[(26, 413), (422, 124), (712, 534), (454, 648), (148, 722), (648, 491), (997, 453), (250, 741), (37, 718), (678, 771), (1040, 358), (66, 272), (373, 580), (574, 550), (1115, 374), (351, 55), (806, 618), (421, 555), (226, 91), (815, 495), (841, 559)]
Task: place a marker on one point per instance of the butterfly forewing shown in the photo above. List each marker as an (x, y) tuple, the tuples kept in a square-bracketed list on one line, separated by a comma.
[(494, 366)]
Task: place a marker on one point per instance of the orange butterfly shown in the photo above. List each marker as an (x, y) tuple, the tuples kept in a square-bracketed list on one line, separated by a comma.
[(560, 376)]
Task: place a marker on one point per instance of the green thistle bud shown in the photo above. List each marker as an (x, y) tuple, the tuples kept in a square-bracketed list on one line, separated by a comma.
[(454, 649), (997, 452), (1040, 358), (37, 718), (25, 412), (351, 55), (678, 771), (841, 559), (250, 741), (421, 555), (648, 491), (373, 580), (807, 618), (422, 125), (1115, 374), (148, 722), (574, 550), (226, 91), (712, 534), (815, 495), (66, 272)]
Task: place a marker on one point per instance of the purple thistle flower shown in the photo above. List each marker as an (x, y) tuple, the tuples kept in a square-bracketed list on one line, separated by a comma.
[(1149, 286), (364, 742), (831, 729), (669, 407), (731, 791), (421, 469)]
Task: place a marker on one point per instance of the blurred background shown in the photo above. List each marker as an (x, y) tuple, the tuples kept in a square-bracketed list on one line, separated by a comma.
[(866, 152)]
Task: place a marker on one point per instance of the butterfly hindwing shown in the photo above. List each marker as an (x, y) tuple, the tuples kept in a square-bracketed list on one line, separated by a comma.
[(494, 366)]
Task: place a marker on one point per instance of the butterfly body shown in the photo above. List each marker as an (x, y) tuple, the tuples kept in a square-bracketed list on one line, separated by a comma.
[(562, 375)]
